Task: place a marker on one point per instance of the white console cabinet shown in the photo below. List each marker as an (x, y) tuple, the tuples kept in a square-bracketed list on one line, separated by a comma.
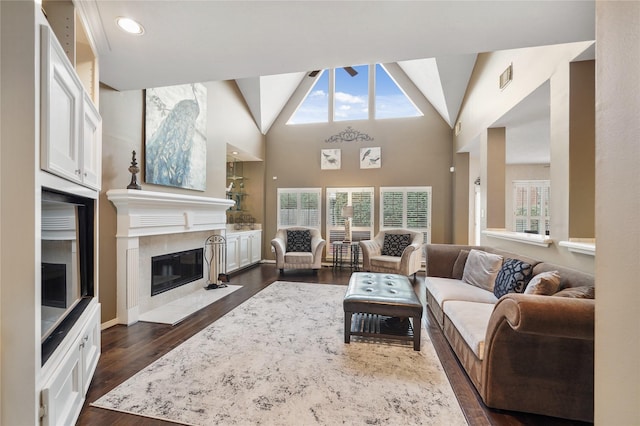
[(71, 133), (70, 375), (244, 248)]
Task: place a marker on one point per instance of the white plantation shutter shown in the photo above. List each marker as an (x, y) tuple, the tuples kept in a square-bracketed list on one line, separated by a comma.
[(531, 206), (406, 207), (362, 222), (299, 207)]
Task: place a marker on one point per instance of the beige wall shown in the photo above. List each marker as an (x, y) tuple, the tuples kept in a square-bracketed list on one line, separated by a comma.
[(582, 150), (617, 367), (415, 152), (485, 103), (229, 121)]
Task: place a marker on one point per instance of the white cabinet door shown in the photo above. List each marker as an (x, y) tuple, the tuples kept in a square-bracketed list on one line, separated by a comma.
[(91, 144), (60, 110), (256, 247), (63, 396), (233, 252), (90, 349), (64, 393), (71, 127), (245, 246)]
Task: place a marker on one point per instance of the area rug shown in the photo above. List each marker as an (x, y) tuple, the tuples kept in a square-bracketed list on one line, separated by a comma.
[(280, 359)]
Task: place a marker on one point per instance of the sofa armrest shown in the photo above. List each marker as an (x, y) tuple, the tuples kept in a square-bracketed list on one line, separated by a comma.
[(409, 251), (369, 248), (546, 315), (541, 347), (317, 245), (279, 246), (442, 257)]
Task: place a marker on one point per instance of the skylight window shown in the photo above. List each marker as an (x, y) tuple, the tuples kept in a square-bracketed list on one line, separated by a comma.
[(391, 101), (351, 96), (315, 106)]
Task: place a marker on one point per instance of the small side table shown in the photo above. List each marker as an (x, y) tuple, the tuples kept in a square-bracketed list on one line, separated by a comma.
[(339, 249)]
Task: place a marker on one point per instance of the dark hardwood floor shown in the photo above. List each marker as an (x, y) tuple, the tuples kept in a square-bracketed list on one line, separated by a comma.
[(126, 350)]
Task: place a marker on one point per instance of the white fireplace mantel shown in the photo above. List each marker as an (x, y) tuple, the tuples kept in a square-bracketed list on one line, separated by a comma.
[(147, 213)]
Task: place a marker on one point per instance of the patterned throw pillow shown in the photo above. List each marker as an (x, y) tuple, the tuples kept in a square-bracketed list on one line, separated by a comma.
[(394, 244), (513, 277), (299, 240)]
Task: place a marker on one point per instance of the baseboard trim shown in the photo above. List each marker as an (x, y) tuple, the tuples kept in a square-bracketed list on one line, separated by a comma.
[(109, 324)]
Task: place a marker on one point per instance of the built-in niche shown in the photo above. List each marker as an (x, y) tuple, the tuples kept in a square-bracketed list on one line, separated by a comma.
[(67, 269)]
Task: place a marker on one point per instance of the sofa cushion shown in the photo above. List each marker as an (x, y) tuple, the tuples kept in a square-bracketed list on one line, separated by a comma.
[(580, 292), (298, 240), (394, 244), (513, 277), (445, 289), (298, 258), (471, 319), (545, 284), (481, 269), (391, 262), (458, 265)]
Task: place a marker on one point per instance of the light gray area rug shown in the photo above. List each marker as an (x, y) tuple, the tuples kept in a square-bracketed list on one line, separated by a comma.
[(280, 359)]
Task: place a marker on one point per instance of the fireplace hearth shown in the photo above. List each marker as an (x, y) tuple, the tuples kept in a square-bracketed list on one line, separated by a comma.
[(173, 270)]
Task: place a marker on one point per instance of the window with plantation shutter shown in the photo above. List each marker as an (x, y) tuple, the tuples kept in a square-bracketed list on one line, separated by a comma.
[(406, 207), (362, 222), (531, 206), (299, 207)]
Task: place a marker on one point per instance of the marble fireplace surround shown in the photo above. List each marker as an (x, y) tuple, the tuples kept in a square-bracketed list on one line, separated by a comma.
[(147, 222)]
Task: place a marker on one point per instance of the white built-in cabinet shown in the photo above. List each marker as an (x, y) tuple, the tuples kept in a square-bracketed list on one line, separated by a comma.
[(71, 132), (71, 148), (244, 248), (64, 392)]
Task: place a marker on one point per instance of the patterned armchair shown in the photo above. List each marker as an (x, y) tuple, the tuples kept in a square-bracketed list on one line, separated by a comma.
[(298, 248), (395, 251)]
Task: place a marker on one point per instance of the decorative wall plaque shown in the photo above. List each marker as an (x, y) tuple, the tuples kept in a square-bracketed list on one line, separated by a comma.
[(349, 135)]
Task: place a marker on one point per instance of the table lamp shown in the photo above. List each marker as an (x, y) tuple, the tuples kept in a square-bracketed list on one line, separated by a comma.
[(347, 214)]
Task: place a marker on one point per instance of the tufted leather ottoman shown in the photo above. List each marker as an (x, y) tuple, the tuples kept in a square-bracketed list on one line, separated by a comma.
[(379, 305)]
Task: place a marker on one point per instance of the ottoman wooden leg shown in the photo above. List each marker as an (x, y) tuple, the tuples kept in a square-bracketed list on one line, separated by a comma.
[(347, 326), (417, 329)]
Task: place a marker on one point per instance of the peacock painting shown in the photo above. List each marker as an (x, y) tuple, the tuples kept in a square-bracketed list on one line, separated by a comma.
[(176, 136)]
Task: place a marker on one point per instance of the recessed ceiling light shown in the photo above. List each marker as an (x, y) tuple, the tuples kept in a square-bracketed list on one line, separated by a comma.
[(129, 25), (235, 152)]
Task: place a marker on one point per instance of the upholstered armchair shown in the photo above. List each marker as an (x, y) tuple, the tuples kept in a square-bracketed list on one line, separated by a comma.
[(298, 248), (396, 251)]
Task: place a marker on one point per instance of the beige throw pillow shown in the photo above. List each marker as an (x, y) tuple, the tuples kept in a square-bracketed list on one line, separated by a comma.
[(481, 269), (545, 284)]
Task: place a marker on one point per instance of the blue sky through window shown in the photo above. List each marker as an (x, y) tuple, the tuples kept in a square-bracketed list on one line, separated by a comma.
[(315, 107), (351, 98), (391, 102)]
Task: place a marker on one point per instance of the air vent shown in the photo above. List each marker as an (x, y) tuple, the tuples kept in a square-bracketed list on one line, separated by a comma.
[(506, 76)]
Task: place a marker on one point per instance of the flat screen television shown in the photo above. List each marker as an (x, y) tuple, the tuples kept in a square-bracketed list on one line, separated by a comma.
[(67, 269)]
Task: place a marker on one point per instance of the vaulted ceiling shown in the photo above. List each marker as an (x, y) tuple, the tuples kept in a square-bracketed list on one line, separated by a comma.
[(268, 46)]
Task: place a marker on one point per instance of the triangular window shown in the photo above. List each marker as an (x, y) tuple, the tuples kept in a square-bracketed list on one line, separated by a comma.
[(391, 101), (350, 97), (314, 108)]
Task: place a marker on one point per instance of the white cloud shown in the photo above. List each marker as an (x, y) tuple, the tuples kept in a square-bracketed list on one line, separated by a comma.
[(349, 99), (318, 94)]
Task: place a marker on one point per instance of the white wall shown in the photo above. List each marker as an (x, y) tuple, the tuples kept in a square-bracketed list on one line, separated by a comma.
[(617, 353)]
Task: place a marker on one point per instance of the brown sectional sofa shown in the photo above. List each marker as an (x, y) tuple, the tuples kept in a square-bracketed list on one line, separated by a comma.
[(522, 352)]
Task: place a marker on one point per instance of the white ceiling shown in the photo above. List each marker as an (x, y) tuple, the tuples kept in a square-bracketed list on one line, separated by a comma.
[(253, 42)]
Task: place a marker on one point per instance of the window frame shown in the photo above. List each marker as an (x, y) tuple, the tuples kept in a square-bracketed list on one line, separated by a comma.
[(544, 218), (426, 231), (299, 192), (335, 231)]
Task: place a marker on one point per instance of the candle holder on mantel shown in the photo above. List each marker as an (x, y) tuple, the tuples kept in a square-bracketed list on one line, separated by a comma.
[(134, 169)]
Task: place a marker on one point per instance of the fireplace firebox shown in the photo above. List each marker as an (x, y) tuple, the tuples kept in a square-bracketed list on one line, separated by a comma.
[(172, 270)]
